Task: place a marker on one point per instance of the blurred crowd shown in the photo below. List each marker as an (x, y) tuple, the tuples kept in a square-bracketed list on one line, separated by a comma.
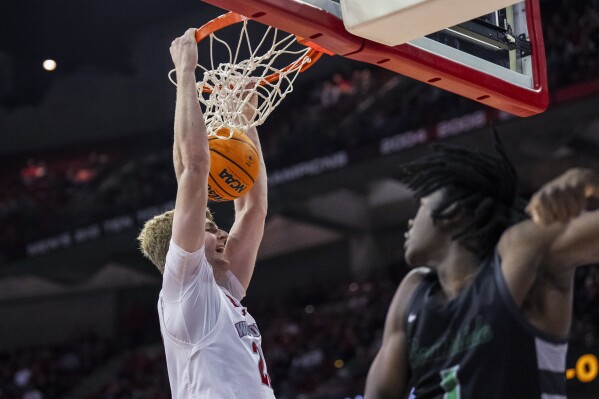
[(323, 346), (352, 109), (585, 328), (319, 343), (74, 190), (49, 372), (571, 31), (40, 191), (141, 375), (348, 109)]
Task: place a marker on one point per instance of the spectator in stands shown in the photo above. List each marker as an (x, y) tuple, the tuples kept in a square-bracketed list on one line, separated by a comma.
[(494, 291), (206, 271)]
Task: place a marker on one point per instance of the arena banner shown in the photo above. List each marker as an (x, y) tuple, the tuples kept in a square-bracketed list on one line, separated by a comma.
[(388, 145), (311, 167), (94, 231)]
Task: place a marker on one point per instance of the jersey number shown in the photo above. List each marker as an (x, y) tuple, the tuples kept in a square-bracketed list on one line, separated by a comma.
[(261, 365), (450, 383)]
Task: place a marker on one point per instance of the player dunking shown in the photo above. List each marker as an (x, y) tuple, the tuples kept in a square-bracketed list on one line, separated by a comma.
[(489, 315), (212, 344)]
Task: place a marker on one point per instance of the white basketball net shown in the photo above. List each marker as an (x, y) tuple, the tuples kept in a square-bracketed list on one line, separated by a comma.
[(232, 83)]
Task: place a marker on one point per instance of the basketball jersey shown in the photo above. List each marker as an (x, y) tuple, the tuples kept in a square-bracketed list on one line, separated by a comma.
[(212, 344), (480, 345)]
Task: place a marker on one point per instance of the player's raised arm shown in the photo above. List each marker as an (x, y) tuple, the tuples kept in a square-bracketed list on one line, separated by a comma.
[(561, 235), (562, 202), (191, 154), (250, 214)]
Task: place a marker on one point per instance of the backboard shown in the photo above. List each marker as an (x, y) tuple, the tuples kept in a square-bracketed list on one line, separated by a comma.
[(497, 59)]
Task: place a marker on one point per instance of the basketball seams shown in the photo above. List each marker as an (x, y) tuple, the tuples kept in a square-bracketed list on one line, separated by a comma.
[(234, 163)]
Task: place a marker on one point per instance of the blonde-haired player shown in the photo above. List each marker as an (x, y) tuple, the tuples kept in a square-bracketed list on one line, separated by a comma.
[(212, 344)]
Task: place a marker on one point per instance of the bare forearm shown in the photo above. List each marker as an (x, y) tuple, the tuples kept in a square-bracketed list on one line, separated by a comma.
[(246, 233), (383, 380), (564, 197), (190, 150), (257, 198), (177, 159), (561, 235), (190, 144)]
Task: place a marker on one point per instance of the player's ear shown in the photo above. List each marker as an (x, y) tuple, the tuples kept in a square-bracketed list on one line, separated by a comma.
[(452, 217)]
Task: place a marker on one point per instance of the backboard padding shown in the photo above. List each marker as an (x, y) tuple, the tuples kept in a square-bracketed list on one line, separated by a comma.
[(320, 20)]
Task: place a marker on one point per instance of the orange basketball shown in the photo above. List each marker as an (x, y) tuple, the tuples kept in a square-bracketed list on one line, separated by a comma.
[(234, 165)]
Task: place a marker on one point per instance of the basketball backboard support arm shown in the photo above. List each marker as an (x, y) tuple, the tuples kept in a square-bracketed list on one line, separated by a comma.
[(423, 59)]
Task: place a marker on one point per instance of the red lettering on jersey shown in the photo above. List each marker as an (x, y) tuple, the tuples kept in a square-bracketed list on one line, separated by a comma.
[(262, 366), (233, 301)]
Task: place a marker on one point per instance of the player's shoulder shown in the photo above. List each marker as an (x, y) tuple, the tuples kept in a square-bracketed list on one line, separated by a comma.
[(182, 267), (177, 255), (413, 279), (409, 284), (405, 292)]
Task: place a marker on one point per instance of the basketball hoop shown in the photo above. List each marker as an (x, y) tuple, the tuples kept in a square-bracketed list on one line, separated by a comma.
[(225, 89)]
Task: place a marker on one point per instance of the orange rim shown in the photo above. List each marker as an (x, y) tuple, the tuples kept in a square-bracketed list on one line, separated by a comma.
[(231, 18)]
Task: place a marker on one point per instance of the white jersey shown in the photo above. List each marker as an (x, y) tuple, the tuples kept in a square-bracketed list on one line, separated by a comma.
[(212, 344)]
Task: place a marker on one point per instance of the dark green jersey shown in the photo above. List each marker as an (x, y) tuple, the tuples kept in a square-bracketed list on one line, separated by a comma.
[(479, 345)]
